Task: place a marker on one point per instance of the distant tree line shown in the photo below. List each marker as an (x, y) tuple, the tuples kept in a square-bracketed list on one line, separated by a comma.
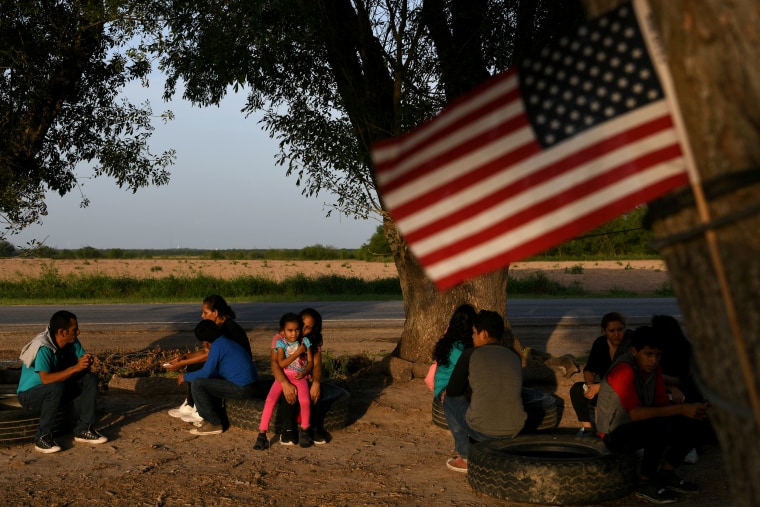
[(624, 236), (376, 249), (621, 237)]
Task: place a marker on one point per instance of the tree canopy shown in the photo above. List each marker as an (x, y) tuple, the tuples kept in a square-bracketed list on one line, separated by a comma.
[(62, 68), (334, 76)]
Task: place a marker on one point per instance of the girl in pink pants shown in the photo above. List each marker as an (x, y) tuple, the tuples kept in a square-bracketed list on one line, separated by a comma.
[(294, 357)]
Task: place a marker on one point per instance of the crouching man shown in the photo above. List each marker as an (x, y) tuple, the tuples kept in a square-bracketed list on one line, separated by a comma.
[(228, 372), (634, 412), (56, 370)]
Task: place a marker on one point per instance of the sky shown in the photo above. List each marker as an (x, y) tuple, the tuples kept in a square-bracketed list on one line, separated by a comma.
[(225, 192)]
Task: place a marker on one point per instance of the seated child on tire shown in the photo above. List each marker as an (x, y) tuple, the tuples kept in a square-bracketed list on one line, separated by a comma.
[(295, 358)]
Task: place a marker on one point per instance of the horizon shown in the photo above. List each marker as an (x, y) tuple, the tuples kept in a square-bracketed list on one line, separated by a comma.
[(225, 192)]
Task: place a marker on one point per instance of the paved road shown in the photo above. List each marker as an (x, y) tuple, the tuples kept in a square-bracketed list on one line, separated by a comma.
[(557, 326), (529, 311)]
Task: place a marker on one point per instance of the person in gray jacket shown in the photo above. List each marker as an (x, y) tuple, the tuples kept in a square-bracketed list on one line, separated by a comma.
[(634, 412), (483, 399), (55, 370)]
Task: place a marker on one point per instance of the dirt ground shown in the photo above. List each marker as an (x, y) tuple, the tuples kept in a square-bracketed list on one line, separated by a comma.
[(641, 277), (389, 454)]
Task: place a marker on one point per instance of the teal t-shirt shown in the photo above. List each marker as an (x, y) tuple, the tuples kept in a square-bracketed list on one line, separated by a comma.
[(49, 361), (443, 373)]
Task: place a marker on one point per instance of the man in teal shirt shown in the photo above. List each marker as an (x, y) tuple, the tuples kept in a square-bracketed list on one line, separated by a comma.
[(55, 370)]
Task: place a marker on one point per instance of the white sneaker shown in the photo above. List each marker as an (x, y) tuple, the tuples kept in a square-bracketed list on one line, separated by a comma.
[(194, 416), (183, 409)]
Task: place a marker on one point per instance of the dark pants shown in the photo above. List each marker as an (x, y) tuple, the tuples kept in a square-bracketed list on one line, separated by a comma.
[(287, 414), (582, 405), (671, 437), (47, 399), (192, 367), (208, 394)]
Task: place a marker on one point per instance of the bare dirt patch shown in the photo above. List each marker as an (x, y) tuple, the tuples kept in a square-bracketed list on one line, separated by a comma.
[(16, 268), (390, 453), (639, 277)]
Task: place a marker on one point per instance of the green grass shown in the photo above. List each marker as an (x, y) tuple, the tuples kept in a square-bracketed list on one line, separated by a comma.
[(575, 270), (52, 288), (538, 284)]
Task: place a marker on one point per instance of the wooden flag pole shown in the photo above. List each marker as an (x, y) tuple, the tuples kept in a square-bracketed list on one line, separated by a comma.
[(728, 302), (659, 58)]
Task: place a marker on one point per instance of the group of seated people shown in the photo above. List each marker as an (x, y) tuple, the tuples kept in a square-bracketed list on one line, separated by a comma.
[(228, 372), (478, 374), (637, 393), (56, 370)]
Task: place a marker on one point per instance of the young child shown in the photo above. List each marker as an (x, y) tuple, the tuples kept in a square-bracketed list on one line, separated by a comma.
[(287, 413), (294, 357)]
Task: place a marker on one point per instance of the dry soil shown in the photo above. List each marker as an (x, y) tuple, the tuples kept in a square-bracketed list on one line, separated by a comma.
[(390, 453)]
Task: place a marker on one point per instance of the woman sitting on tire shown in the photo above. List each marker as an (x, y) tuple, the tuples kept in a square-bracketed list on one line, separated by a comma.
[(456, 338), (215, 309), (288, 409)]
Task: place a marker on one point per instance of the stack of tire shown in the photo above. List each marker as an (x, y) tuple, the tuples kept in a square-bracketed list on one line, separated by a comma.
[(17, 426), (334, 405), (550, 470), (538, 467)]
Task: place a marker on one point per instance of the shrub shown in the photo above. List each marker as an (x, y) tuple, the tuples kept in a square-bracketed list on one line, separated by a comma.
[(7, 249)]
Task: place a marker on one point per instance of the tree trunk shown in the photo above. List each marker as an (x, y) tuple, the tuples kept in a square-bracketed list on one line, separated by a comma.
[(712, 47), (427, 310)]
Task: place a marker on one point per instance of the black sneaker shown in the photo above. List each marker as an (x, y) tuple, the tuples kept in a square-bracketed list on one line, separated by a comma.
[(319, 437), (261, 442), (304, 439), (287, 437), (46, 444), (654, 493), (90, 436), (674, 483)]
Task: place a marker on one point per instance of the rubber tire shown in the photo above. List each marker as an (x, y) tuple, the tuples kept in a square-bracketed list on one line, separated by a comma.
[(18, 426), (439, 417), (550, 469), (334, 401), (541, 408), (335, 404)]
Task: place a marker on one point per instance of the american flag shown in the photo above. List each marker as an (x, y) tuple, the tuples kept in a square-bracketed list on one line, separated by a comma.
[(570, 138)]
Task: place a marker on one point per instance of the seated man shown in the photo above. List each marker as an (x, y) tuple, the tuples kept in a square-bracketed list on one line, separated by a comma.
[(483, 399), (56, 370), (634, 412), (228, 372), (604, 351)]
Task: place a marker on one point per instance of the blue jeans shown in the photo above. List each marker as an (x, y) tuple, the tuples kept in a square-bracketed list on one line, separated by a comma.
[(47, 399), (209, 392), (455, 410)]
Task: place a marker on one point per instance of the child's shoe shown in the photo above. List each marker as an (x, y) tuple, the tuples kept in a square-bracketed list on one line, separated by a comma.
[(287, 437), (304, 439), (261, 442)]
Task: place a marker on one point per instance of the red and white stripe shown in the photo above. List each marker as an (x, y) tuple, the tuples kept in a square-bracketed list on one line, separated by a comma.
[(472, 190)]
